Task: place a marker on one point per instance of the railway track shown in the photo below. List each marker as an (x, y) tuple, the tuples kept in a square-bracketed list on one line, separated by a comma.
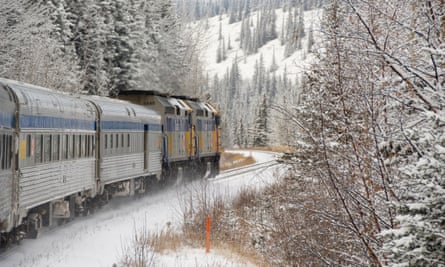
[(245, 169)]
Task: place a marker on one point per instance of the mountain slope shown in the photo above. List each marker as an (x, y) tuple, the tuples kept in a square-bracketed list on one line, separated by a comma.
[(295, 63), (241, 81)]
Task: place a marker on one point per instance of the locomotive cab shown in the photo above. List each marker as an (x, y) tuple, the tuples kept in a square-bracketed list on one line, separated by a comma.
[(188, 132)]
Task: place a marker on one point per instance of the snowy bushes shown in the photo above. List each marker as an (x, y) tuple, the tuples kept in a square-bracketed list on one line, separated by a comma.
[(143, 249), (291, 223), (371, 119)]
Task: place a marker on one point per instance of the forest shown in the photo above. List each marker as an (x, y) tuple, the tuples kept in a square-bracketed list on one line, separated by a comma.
[(94, 46), (363, 124)]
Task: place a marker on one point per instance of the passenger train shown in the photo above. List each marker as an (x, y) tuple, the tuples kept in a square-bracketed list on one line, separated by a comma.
[(64, 155)]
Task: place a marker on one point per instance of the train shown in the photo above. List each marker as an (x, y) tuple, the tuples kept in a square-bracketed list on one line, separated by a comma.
[(64, 155)]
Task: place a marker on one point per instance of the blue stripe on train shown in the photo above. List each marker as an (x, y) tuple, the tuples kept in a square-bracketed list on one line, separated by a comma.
[(45, 122), (177, 125), (153, 127), (7, 120), (122, 125), (128, 125)]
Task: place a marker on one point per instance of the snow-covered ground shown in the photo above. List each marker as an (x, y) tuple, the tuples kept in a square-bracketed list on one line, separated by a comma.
[(295, 64), (98, 240)]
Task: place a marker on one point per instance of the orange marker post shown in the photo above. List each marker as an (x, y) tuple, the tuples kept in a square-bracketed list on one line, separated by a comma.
[(207, 234)]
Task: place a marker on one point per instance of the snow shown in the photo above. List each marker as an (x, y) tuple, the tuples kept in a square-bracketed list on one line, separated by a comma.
[(298, 61), (98, 240), (196, 257)]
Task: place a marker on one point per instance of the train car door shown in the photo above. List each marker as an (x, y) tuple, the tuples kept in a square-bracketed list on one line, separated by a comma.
[(146, 147)]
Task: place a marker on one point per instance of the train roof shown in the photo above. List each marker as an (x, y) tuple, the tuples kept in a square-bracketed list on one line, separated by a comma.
[(201, 108), (142, 92), (183, 97), (39, 101), (157, 93), (114, 109)]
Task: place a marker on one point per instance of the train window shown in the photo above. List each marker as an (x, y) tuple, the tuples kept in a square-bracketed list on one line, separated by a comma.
[(28, 146), (56, 146), (47, 148), (93, 145), (66, 147), (73, 152), (128, 140), (79, 146), (87, 146), (9, 152), (90, 145), (2, 151), (38, 149), (6, 151), (74, 146), (106, 141), (117, 140), (71, 147), (122, 140), (111, 140)]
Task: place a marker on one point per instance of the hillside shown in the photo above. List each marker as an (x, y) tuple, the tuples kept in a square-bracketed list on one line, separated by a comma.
[(240, 80), (295, 63)]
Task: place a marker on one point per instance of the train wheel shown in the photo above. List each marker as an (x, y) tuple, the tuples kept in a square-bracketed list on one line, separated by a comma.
[(33, 225)]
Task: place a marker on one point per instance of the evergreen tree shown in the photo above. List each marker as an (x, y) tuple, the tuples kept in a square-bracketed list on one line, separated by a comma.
[(299, 28), (274, 65), (235, 79), (310, 39), (121, 76), (219, 56), (247, 9), (32, 49), (242, 134), (290, 35), (170, 65), (261, 135)]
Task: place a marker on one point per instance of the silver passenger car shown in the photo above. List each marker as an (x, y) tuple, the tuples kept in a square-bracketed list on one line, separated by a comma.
[(55, 149), (130, 139)]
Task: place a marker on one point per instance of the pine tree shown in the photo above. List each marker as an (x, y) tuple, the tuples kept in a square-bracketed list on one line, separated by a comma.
[(300, 28), (235, 79), (290, 35), (247, 9), (242, 134), (274, 65), (219, 56), (171, 66), (261, 135), (220, 31), (224, 50), (121, 76), (310, 39), (32, 49)]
